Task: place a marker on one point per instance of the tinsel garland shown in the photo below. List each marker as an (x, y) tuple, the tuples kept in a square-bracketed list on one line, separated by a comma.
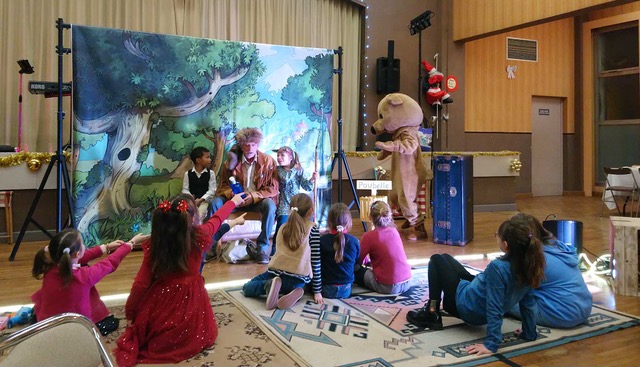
[(16, 159), (428, 154)]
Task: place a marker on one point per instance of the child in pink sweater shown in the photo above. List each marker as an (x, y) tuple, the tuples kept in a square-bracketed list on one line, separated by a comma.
[(68, 286), (389, 272)]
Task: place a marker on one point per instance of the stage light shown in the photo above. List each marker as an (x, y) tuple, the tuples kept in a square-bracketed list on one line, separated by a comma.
[(421, 22), (25, 67)]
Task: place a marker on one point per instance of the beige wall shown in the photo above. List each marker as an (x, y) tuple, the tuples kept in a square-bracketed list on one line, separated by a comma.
[(388, 21), (474, 18), (495, 103)]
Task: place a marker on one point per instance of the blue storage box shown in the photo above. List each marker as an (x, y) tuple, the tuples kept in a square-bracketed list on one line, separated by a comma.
[(453, 199)]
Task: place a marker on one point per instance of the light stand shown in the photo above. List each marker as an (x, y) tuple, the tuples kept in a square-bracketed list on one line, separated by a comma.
[(25, 68), (58, 158), (339, 156), (417, 25)]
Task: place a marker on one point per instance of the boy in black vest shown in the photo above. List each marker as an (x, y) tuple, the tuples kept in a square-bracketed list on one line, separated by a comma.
[(200, 181)]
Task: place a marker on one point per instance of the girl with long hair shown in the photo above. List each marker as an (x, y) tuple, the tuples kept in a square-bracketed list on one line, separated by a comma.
[(339, 252), (563, 299), (485, 298), (169, 315), (295, 264)]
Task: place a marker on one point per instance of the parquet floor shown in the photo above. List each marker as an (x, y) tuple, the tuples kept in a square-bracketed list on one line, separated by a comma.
[(616, 349)]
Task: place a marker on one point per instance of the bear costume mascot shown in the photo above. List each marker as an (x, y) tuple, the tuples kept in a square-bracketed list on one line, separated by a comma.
[(401, 116)]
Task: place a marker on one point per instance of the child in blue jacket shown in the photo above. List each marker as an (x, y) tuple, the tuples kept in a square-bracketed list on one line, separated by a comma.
[(563, 299), (485, 298)]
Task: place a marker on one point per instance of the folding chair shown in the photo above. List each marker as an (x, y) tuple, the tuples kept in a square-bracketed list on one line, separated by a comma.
[(68, 339), (629, 190)]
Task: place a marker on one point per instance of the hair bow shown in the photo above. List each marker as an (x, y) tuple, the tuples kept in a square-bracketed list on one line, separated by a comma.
[(182, 206), (165, 206)]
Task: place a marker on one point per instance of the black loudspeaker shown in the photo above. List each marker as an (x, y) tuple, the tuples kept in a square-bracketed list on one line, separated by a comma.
[(388, 73)]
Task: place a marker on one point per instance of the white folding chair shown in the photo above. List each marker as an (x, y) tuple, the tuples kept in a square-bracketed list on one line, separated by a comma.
[(68, 339), (613, 190)]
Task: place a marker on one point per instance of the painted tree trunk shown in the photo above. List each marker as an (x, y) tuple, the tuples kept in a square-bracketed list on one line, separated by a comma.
[(112, 194)]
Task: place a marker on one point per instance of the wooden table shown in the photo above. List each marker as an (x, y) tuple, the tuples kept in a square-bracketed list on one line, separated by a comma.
[(624, 236)]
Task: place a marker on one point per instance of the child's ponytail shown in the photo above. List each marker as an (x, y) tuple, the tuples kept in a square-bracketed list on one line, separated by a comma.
[(536, 262), (338, 245), (339, 219), (295, 231), (65, 265), (41, 263)]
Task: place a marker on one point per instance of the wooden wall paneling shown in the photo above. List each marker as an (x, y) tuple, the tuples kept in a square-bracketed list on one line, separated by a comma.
[(614, 10), (588, 102), (473, 18), (494, 103)]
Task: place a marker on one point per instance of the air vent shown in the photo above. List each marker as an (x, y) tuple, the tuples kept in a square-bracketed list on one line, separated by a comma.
[(522, 49)]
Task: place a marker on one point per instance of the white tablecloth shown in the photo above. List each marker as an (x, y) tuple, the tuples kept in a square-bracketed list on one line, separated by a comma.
[(617, 180)]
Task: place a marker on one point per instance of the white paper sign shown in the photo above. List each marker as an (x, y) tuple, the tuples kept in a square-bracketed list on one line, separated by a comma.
[(373, 185)]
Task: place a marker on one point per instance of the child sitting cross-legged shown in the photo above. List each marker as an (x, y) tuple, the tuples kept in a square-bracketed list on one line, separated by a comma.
[(339, 252), (169, 314), (68, 283), (295, 264)]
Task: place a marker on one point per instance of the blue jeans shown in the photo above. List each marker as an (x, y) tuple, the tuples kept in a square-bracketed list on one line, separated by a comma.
[(224, 228), (336, 291), (255, 287), (267, 209), (282, 219)]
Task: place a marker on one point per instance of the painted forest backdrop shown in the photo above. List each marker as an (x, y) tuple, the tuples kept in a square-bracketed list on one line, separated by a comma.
[(142, 101)]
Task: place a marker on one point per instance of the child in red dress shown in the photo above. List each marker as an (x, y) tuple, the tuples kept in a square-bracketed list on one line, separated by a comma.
[(169, 314)]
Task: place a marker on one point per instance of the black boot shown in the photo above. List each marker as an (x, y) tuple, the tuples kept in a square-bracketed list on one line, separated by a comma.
[(426, 318)]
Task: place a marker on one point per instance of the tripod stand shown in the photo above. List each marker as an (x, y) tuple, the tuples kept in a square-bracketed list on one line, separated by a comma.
[(63, 173), (339, 156)]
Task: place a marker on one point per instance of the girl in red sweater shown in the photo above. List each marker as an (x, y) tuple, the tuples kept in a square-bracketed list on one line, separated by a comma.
[(389, 272), (68, 286)]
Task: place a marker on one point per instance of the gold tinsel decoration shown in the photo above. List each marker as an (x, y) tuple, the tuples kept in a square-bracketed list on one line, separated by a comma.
[(428, 154), (30, 158), (516, 165)]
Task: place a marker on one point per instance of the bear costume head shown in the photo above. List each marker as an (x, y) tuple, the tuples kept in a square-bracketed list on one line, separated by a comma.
[(396, 110)]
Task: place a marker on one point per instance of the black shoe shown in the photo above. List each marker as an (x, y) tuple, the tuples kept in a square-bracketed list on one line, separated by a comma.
[(425, 318), (262, 258), (108, 325)]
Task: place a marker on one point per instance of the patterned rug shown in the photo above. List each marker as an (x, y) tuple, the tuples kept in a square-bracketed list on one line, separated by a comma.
[(240, 341), (370, 329)]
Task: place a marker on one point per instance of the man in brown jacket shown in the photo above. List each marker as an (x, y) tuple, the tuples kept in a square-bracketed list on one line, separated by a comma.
[(257, 173)]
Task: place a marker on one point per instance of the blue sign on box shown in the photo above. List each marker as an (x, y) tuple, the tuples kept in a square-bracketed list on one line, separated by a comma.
[(424, 135)]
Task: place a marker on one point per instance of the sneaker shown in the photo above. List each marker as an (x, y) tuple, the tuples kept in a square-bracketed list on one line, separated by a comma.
[(425, 318), (290, 299), (273, 293)]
